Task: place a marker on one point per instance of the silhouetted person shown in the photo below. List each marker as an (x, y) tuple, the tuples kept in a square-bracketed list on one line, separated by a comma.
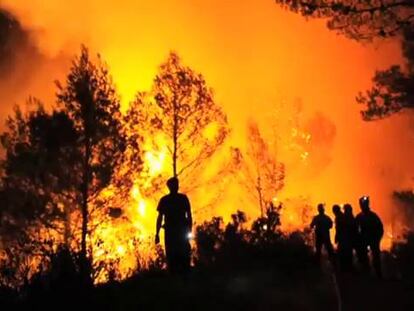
[(175, 210), (321, 223), (371, 231), (352, 235), (340, 238)]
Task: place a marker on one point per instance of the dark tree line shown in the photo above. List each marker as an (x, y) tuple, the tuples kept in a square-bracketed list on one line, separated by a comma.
[(393, 89), (58, 160), (358, 19)]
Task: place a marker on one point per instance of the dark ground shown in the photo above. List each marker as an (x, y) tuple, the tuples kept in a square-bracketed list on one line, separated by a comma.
[(369, 293), (259, 287)]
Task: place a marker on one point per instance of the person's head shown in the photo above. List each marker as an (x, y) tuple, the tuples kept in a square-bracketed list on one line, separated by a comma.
[(364, 204), (348, 209), (173, 184), (336, 209), (321, 208)]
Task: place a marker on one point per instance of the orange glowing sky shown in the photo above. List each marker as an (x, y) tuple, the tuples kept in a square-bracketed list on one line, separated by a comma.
[(255, 56)]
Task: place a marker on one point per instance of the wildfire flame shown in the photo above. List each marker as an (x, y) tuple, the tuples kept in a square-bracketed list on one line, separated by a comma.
[(326, 159)]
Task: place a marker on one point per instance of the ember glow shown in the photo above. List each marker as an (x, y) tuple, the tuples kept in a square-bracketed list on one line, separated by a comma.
[(293, 77)]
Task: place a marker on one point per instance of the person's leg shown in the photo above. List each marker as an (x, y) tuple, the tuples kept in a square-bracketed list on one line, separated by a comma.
[(318, 250), (362, 254), (330, 251), (183, 258), (376, 257), (341, 256), (171, 251), (187, 257), (170, 260), (348, 257)]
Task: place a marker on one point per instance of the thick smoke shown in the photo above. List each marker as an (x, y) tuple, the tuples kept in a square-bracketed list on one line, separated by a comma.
[(257, 58), (12, 37), (24, 71)]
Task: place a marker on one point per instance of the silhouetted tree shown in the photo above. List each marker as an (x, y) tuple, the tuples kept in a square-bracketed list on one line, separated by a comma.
[(261, 173), (403, 252), (358, 19), (405, 200), (140, 134), (364, 21), (89, 99), (266, 229), (180, 111), (38, 182), (33, 144), (209, 240), (393, 89)]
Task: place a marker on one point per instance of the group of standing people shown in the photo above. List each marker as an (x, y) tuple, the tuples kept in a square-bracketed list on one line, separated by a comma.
[(352, 234)]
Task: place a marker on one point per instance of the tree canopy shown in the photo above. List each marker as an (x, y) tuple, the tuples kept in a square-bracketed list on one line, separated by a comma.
[(366, 20), (358, 19), (180, 114), (393, 89)]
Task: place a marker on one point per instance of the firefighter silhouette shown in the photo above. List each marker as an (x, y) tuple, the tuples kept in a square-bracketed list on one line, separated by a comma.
[(174, 209), (351, 236), (371, 230), (340, 237), (321, 223)]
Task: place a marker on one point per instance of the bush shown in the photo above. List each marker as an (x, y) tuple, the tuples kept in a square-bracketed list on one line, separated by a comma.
[(209, 240), (403, 253), (235, 247)]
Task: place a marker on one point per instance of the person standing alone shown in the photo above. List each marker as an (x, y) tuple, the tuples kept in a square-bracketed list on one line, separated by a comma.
[(175, 210)]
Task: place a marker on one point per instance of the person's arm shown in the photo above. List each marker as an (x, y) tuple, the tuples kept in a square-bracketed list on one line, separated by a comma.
[(159, 224), (189, 216), (380, 227), (313, 223), (330, 223), (336, 235)]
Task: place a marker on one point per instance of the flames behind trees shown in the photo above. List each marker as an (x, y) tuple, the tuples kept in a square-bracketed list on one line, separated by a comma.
[(261, 174), (60, 164), (274, 63)]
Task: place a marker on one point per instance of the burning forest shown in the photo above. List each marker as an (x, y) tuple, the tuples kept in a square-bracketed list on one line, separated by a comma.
[(260, 114)]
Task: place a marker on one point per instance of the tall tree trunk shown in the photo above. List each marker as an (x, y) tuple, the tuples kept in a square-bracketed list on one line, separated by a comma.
[(85, 264), (260, 194), (67, 232), (175, 157), (175, 139)]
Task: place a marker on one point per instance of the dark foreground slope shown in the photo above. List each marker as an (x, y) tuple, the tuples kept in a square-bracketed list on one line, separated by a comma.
[(369, 293), (253, 288)]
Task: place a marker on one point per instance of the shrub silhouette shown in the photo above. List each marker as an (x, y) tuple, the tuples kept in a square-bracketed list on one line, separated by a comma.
[(234, 247), (403, 253)]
